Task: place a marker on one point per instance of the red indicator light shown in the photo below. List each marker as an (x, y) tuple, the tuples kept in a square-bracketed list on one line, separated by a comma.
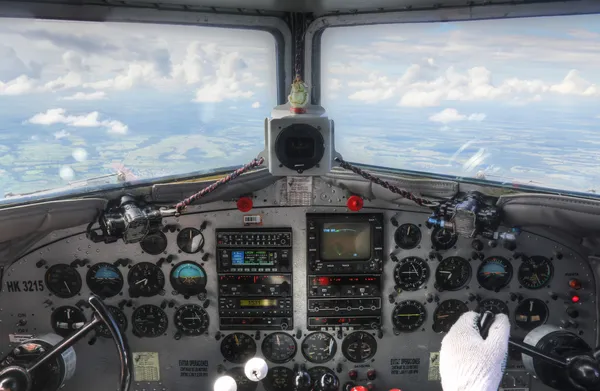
[(244, 204), (575, 284), (355, 203), (575, 299), (359, 388)]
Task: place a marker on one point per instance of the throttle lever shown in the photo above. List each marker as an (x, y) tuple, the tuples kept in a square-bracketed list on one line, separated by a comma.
[(485, 322)]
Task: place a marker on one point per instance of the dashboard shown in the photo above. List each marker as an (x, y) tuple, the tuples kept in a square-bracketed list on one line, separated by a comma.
[(367, 296)]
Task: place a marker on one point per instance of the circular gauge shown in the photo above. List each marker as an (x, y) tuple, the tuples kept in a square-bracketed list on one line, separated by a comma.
[(241, 380), (493, 305), (359, 346), (408, 315), (452, 274), (190, 240), (494, 273), (238, 348), (279, 379), (145, 279), (319, 347), (443, 239), (407, 236), (411, 273), (66, 319), (316, 373), (154, 243), (188, 278), (531, 313), (535, 272), (149, 321), (191, 319), (104, 279), (63, 280), (279, 347), (447, 313), (120, 318)]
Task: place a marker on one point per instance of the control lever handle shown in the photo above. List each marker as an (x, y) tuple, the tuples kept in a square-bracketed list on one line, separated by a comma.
[(327, 382), (302, 381), (485, 322)]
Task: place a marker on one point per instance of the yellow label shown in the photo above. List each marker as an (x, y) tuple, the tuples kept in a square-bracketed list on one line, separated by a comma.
[(434, 367), (146, 366)]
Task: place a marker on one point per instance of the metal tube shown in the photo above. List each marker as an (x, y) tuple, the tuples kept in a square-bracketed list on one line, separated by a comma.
[(65, 343), (536, 353)]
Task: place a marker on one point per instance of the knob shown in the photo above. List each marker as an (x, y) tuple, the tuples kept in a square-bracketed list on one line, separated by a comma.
[(575, 284), (572, 312), (474, 255), (492, 243), (348, 386), (473, 297), (558, 255), (510, 245), (256, 369), (352, 374), (225, 383), (371, 374), (327, 382), (429, 297), (477, 245), (302, 379), (393, 258), (516, 296), (205, 257), (517, 255), (40, 263), (394, 221), (553, 295), (434, 255)]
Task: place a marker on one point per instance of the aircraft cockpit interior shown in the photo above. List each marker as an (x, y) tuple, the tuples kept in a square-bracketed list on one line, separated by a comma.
[(297, 196)]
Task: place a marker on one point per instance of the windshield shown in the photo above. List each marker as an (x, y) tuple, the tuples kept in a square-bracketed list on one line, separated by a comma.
[(514, 100), (116, 101)]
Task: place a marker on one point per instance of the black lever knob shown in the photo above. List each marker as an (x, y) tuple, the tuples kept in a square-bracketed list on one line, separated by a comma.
[(302, 380), (328, 382)]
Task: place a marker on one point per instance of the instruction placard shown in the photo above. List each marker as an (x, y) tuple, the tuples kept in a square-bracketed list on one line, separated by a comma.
[(434, 367), (404, 366), (193, 368), (146, 366), (295, 191)]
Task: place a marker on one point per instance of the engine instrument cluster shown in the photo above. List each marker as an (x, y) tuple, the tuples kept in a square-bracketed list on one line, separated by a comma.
[(366, 297)]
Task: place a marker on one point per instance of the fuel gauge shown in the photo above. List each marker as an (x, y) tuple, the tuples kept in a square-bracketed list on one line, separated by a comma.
[(407, 236)]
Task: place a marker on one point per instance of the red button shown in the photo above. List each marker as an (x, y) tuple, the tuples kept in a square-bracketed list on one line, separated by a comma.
[(352, 374), (371, 375), (355, 203), (359, 388), (575, 299), (575, 284), (395, 389), (244, 204)]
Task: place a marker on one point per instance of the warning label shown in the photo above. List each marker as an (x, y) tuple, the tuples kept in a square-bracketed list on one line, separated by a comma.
[(434, 367), (295, 191), (404, 366), (18, 338), (193, 368), (146, 366)]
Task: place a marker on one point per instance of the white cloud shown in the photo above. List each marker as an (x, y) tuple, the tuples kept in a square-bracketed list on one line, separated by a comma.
[(61, 134), (372, 95), (476, 117), (19, 86), (574, 84), (80, 154), (96, 95), (447, 115), (89, 120), (255, 105), (66, 173), (221, 90)]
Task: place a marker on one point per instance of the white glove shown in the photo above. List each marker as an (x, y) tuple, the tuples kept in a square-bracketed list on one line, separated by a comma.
[(470, 363)]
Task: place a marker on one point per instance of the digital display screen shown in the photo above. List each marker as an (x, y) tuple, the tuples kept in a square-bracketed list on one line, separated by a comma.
[(260, 258), (263, 303), (345, 241)]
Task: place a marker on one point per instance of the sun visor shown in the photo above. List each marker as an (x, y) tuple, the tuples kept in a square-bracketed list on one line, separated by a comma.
[(578, 216)]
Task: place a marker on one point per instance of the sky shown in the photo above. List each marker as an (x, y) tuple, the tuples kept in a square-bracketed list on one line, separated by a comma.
[(515, 100)]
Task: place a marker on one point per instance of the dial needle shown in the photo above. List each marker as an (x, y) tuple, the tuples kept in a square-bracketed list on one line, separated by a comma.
[(67, 285), (145, 281), (401, 315), (237, 341)]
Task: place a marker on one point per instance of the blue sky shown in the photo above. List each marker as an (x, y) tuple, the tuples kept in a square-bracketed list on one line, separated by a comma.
[(513, 100)]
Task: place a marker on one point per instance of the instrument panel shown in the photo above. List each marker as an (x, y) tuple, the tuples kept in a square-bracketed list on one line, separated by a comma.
[(207, 293)]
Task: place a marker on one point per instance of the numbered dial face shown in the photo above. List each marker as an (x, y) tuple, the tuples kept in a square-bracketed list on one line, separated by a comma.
[(319, 347), (188, 278), (66, 320), (63, 280), (241, 380), (279, 379), (494, 273), (104, 279), (531, 313), (190, 240), (408, 315), (447, 313), (154, 243), (120, 318), (145, 279), (407, 236), (359, 346), (238, 348), (149, 321), (411, 273), (535, 272), (191, 319), (279, 347), (443, 239), (452, 274), (493, 305), (316, 373)]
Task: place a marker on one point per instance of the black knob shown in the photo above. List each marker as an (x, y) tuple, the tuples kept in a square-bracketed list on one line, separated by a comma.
[(298, 334), (477, 245), (474, 255), (257, 335), (205, 257), (218, 335), (339, 334), (302, 379), (514, 296), (558, 255), (435, 255), (473, 297), (203, 225), (517, 255), (572, 312), (348, 386), (328, 382), (492, 243), (40, 263), (163, 305), (429, 297), (394, 221), (553, 295), (510, 245), (393, 258), (371, 374)]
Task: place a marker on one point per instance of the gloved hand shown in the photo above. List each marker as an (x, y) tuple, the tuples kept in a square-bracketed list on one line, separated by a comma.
[(470, 363)]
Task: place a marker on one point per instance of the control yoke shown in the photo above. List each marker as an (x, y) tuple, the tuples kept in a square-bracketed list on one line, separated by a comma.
[(21, 377)]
